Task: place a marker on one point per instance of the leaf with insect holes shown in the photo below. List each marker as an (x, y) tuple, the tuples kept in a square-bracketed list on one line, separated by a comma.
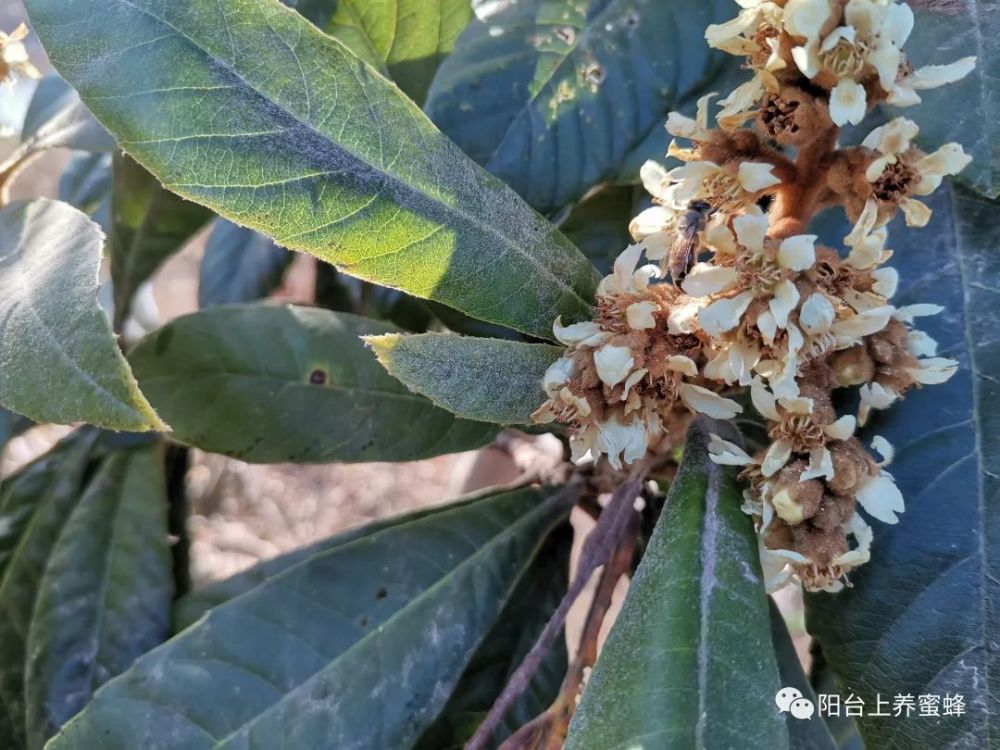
[(61, 362), (551, 95), (247, 108), (490, 380), (267, 384), (361, 645)]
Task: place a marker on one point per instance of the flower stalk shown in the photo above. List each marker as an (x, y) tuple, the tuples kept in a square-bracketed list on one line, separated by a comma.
[(725, 287)]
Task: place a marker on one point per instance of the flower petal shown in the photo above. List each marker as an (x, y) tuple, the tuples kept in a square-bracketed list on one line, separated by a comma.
[(763, 400), (684, 365), (724, 314), (755, 176), (797, 253), (706, 402), (751, 229), (842, 429), (706, 279), (786, 297), (776, 457), (816, 314), (727, 454), (848, 102), (613, 363), (881, 498), (639, 315), (587, 333)]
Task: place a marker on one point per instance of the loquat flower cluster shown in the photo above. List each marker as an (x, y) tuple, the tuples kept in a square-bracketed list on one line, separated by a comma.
[(755, 301)]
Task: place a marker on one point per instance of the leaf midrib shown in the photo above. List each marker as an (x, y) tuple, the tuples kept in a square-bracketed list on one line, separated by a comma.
[(487, 228)]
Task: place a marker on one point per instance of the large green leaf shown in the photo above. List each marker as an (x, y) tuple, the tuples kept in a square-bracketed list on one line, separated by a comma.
[(490, 380), (34, 505), (405, 39), (501, 652), (244, 106), (409, 38), (61, 362), (239, 265), (689, 662), (359, 646), (551, 95), (896, 631), (968, 111), (104, 598), (266, 383), (149, 224), (193, 605)]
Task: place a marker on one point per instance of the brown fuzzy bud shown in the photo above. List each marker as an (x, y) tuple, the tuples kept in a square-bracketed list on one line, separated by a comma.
[(818, 545), (851, 465), (853, 366), (796, 501)]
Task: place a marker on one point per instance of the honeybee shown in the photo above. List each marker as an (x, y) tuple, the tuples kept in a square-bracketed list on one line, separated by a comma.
[(687, 240)]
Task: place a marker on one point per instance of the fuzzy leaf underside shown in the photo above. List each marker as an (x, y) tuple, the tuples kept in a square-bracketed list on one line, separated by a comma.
[(489, 380), (267, 383), (61, 362), (245, 107)]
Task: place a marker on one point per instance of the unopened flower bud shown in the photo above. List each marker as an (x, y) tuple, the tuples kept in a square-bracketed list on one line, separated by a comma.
[(853, 366)]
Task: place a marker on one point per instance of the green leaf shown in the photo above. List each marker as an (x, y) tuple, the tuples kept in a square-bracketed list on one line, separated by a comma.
[(104, 598), (967, 111), (34, 505), (551, 95), (803, 734), (921, 616), (360, 646), (407, 38), (149, 224), (193, 605), (267, 384), (86, 182), (60, 359), (501, 652), (239, 265), (689, 662), (247, 108), (598, 225), (490, 380)]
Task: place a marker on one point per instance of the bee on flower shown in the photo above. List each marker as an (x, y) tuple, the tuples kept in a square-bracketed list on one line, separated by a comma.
[(756, 301)]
